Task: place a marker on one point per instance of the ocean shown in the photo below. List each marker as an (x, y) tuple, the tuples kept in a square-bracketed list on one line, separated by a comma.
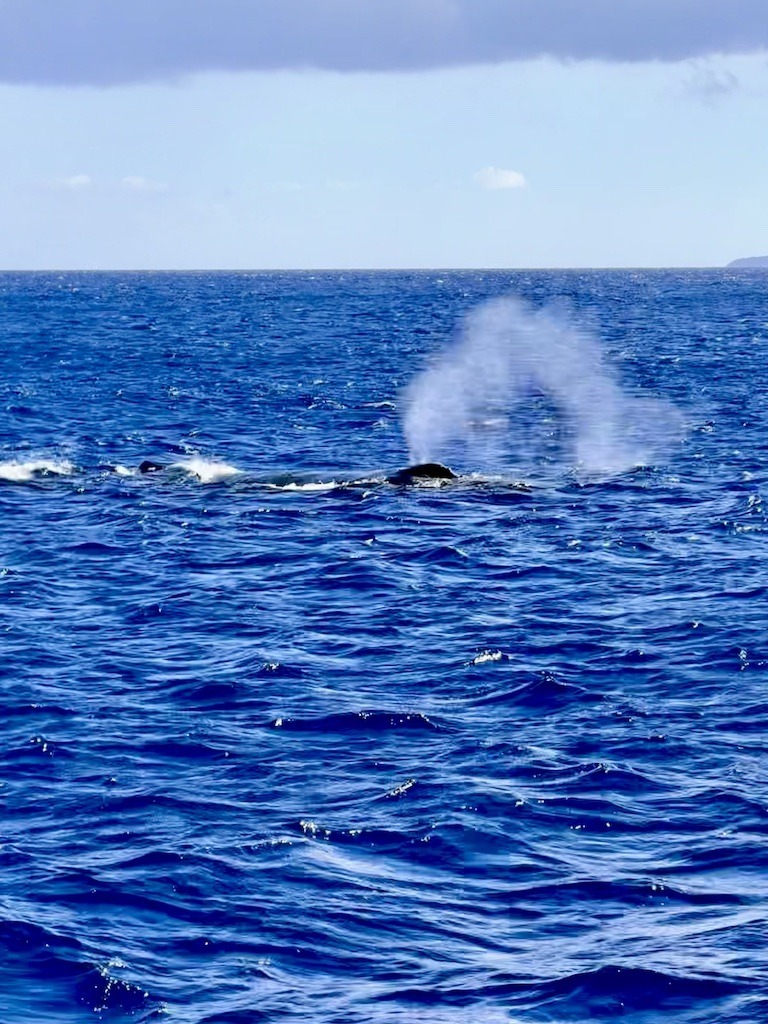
[(282, 741)]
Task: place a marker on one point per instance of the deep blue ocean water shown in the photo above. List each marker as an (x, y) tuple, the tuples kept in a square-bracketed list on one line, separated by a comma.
[(294, 744)]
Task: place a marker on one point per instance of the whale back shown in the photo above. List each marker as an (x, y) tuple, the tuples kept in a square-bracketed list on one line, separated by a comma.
[(150, 467), (411, 475)]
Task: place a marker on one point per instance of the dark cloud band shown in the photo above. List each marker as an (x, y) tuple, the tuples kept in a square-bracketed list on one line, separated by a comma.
[(108, 42)]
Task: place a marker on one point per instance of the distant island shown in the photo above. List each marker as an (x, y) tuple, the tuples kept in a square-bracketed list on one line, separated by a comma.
[(750, 263)]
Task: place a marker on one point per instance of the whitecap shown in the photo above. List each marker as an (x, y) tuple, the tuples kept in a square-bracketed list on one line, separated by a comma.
[(483, 657), (296, 486), (20, 472), (208, 471)]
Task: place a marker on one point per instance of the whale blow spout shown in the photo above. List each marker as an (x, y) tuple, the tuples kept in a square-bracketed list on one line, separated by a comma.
[(424, 471)]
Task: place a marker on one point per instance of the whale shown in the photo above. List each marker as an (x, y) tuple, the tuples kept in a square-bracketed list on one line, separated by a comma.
[(150, 467), (409, 476), (435, 474), (422, 472)]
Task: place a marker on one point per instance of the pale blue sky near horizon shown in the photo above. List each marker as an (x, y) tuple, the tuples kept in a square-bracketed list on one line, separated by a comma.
[(533, 162)]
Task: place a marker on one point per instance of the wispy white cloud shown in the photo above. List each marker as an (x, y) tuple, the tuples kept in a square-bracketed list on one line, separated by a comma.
[(76, 181), (497, 177), (98, 43), (84, 182), (138, 184)]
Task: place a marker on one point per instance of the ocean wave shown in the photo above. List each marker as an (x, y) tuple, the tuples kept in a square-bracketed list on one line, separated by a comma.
[(58, 971), (630, 992), (21, 472), (359, 721)]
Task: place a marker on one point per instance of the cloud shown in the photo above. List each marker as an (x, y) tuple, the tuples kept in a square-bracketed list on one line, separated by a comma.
[(138, 184), (496, 177), (130, 183), (76, 181), (93, 42), (710, 84)]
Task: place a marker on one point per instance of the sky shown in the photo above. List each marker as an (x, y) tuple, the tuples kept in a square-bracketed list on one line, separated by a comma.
[(270, 134)]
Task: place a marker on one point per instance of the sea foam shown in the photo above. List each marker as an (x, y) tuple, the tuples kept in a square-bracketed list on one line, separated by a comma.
[(207, 471), (21, 472)]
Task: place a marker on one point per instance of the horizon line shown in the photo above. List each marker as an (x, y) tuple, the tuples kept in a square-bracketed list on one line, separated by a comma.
[(365, 269)]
